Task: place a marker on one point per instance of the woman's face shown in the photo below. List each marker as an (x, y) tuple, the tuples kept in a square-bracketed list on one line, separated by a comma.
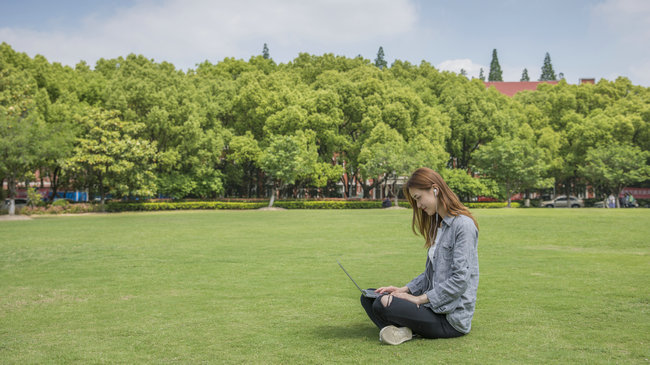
[(425, 199)]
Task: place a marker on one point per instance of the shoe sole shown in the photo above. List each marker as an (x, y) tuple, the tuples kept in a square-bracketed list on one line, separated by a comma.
[(395, 335)]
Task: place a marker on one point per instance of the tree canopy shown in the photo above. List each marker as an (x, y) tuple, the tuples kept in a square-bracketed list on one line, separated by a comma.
[(547, 70), (495, 68), (318, 125)]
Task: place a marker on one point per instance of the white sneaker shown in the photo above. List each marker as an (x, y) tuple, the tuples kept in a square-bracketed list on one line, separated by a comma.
[(395, 335)]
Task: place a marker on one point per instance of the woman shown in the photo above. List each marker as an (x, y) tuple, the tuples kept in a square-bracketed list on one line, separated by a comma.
[(440, 302)]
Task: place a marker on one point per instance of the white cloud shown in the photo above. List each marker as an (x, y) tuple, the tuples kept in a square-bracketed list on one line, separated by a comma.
[(473, 69), (628, 22), (188, 32), (628, 19), (641, 73)]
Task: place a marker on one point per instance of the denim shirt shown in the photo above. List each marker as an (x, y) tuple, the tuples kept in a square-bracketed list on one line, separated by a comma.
[(451, 280)]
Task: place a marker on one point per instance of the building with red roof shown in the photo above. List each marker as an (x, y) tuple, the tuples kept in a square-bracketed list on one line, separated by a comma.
[(510, 88)]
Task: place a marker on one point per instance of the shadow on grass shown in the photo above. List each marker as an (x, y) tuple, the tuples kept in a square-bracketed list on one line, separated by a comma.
[(358, 330)]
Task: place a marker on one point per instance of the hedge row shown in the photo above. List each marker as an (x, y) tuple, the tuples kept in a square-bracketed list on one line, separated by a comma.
[(130, 207), (482, 205), (287, 204)]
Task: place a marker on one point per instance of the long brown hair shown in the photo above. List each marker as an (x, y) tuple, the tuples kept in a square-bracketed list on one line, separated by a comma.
[(425, 178)]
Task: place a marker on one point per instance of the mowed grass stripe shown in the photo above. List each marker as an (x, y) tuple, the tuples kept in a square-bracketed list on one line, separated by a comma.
[(557, 285)]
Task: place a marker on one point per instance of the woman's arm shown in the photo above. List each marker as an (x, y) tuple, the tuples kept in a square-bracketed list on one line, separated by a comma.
[(392, 290), (420, 299), (449, 290)]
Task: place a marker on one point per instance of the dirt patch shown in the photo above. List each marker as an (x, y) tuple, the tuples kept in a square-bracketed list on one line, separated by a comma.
[(271, 208), (16, 217)]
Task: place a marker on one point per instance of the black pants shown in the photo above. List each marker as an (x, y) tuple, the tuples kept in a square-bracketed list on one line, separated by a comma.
[(402, 313)]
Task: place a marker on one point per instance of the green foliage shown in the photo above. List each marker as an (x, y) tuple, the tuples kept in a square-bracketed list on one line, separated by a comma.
[(61, 208), (547, 70), (380, 61), (466, 187), (34, 198), (287, 204), (110, 156), (60, 203), (616, 166), (495, 69), (134, 207), (235, 128), (265, 52), (490, 205), (513, 163), (524, 75)]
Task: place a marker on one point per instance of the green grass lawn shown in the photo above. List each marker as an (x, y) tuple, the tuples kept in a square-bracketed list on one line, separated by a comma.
[(556, 286)]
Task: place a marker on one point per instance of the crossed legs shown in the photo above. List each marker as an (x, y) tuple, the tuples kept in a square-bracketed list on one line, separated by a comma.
[(388, 310)]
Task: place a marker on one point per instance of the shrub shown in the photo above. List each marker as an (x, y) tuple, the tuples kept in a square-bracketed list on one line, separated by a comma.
[(534, 203), (155, 206), (60, 208), (481, 205), (60, 203)]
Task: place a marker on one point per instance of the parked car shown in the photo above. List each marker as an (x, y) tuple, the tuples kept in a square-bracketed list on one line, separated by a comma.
[(561, 202)]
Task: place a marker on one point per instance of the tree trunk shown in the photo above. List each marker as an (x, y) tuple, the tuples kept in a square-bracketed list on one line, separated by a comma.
[(54, 183), (272, 196), (101, 193), (12, 195), (527, 199), (508, 193), (395, 192), (352, 184), (619, 190)]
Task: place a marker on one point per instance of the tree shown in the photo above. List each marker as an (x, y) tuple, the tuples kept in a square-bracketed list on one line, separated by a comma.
[(615, 166), (463, 72), (380, 62), (476, 116), (514, 164), (524, 75), (383, 155), (467, 187), (495, 68), (547, 70), (286, 159), (22, 130), (20, 139), (244, 151), (265, 52), (111, 158), (481, 75)]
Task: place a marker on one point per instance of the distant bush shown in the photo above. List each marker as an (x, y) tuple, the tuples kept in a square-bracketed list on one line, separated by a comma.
[(61, 208), (156, 206), (60, 203), (534, 203), (482, 205)]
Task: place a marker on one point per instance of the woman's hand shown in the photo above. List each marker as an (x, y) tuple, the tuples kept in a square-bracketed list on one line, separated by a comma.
[(421, 299), (392, 290)]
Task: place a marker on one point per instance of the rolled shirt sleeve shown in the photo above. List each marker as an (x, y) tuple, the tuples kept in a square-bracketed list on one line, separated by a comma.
[(450, 280)]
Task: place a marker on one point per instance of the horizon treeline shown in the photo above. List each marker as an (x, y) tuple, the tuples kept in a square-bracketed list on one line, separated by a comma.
[(132, 127)]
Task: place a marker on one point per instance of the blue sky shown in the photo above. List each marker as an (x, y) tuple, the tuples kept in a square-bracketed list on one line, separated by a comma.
[(585, 38)]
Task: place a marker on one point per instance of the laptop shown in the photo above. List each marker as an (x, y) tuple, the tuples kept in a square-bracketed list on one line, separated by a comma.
[(368, 293)]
